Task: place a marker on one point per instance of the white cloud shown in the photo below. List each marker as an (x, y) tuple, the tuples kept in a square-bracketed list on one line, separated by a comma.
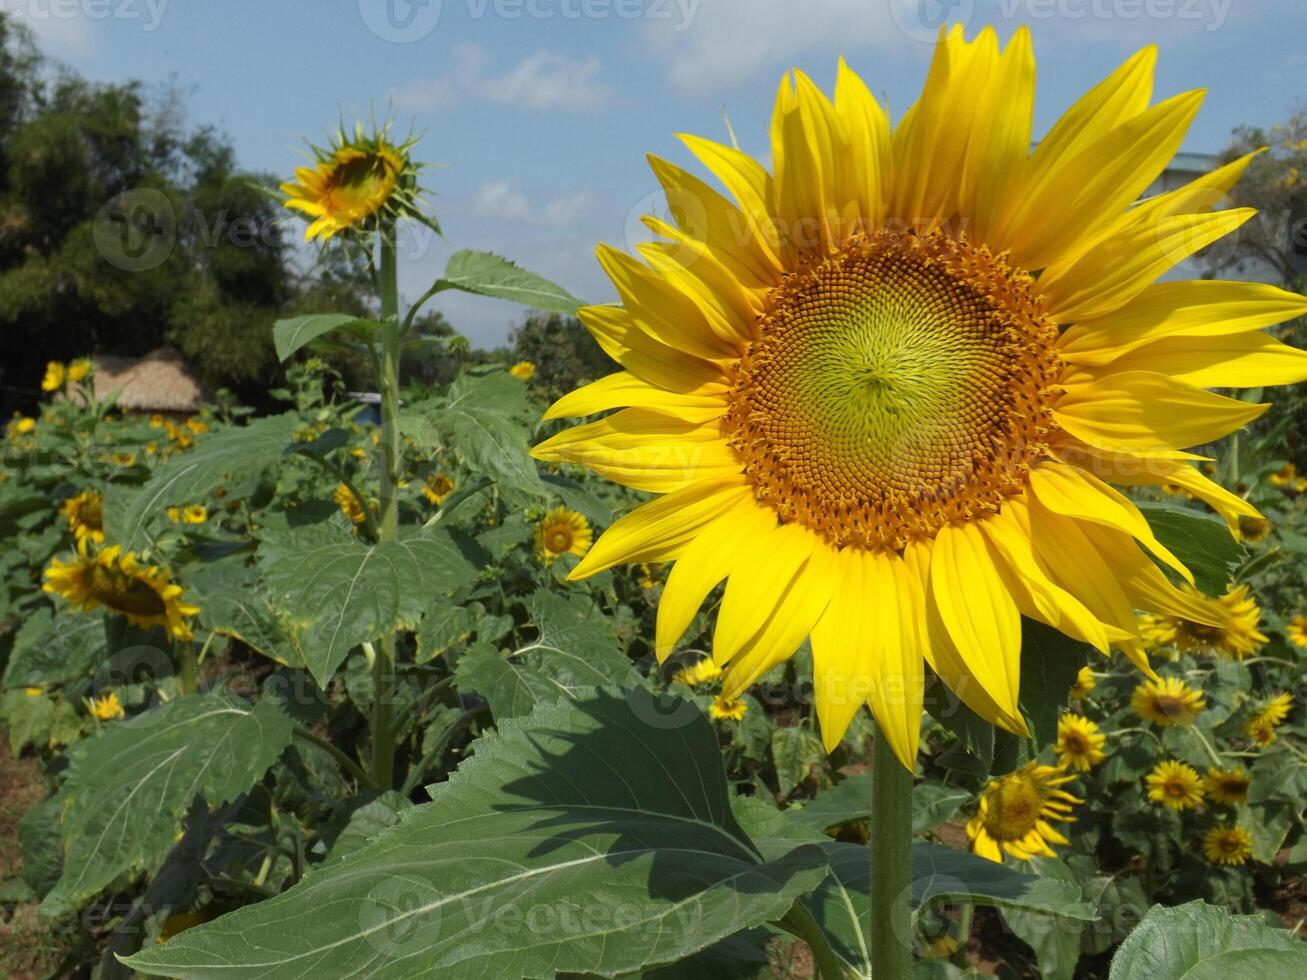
[(544, 80), (503, 201), (66, 32), (729, 41)]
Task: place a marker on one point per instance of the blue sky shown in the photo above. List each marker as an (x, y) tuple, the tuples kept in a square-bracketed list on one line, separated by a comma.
[(539, 113)]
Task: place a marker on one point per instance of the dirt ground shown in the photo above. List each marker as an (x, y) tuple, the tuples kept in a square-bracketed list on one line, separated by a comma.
[(27, 949)]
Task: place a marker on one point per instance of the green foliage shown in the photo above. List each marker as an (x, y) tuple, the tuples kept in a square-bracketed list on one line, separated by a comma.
[(1199, 942)]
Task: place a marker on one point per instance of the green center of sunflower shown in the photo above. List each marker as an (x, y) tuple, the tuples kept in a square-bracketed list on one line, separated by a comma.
[(124, 593), (898, 386)]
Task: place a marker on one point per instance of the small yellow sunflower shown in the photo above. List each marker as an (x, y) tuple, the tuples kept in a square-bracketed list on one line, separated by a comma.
[(1228, 787), (1254, 529), (1236, 637), (728, 709), (437, 488), (1277, 709), (1175, 785), (85, 516), (106, 707), (195, 514), (55, 376), (562, 532), (1085, 683), (1014, 813), (1260, 731), (1285, 476), (523, 370), (1167, 701), (1227, 845), (885, 390), (24, 425), (114, 579), (33, 692), (80, 369), (349, 183), (1079, 743), (1296, 631), (349, 504), (701, 672), (197, 425), (124, 459)]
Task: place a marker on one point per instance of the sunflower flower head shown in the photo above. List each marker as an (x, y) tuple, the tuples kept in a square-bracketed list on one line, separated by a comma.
[(351, 181), (1277, 709), (562, 532), (80, 369), (107, 707), (1085, 683), (117, 581), (1174, 785), (1254, 530), (1014, 812), (1227, 845), (1285, 476), (702, 671), (1079, 743), (85, 516), (349, 504), (865, 420), (727, 709), (523, 370), (195, 514), (1296, 632), (1228, 787), (1237, 635), (1167, 701), (56, 376), (23, 425), (436, 488)]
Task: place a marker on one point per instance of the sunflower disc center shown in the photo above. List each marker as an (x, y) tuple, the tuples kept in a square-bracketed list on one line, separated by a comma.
[(123, 593), (898, 386)]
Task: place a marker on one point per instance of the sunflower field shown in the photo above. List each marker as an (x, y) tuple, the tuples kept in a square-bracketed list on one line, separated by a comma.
[(918, 597)]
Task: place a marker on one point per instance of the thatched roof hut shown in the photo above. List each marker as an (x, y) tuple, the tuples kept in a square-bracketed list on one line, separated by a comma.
[(160, 381)]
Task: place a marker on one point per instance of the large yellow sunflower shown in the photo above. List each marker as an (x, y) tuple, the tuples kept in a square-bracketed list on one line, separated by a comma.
[(114, 579), (1079, 743), (1175, 785), (347, 185), (562, 532), (1015, 810), (1235, 637), (1167, 701), (884, 390)]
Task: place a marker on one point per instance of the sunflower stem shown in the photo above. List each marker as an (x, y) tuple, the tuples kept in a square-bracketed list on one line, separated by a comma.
[(383, 666), (187, 663), (799, 922), (890, 847)]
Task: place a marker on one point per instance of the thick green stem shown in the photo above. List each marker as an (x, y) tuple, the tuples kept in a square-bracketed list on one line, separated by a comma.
[(383, 667), (187, 664), (344, 761), (890, 847)]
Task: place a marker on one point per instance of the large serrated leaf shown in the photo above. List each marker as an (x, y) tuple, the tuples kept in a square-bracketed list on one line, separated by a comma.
[(233, 604), (127, 791), (488, 274), (593, 837), (575, 649), (232, 458), (1197, 941), (483, 417), (45, 654), (333, 591)]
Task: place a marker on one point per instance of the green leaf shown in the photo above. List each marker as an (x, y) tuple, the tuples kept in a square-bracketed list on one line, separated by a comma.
[(934, 804), (576, 649), (128, 790), (232, 603), (592, 837), (365, 823), (1050, 661), (43, 853), (444, 626), (1203, 542), (333, 591), (288, 336), (46, 654), (798, 754), (1056, 944), (483, 417), (939, 874), (233, 458), (579, 499), (488, 274), (1197, 941)]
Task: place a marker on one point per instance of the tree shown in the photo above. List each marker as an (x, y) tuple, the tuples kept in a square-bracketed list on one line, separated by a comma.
[(563, 352)]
